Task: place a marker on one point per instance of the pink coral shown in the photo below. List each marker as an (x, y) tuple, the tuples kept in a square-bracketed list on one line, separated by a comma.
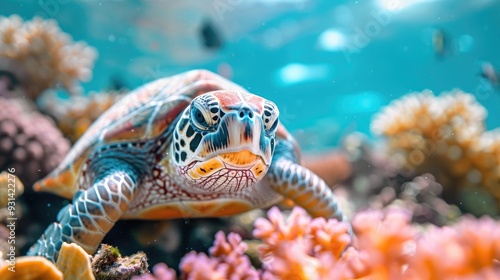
[(160, 272), (468, 250), (226, 261), (388, 246), (300, 247), (384, 241)]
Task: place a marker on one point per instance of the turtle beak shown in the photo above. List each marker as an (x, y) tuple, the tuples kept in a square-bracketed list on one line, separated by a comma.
[(237, 132)]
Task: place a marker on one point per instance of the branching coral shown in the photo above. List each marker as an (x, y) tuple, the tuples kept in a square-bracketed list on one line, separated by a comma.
[(387, 246), (444, 136), (226, 260), (29, 142), (75, 114), (468, 250), (39, 55)]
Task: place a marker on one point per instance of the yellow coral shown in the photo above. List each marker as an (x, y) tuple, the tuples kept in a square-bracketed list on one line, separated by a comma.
[(443, 135), (74, 262), (10, 187), (31, 268), (40, 55)]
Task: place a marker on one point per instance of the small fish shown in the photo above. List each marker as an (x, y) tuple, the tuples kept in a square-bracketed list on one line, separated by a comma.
[(489, 73), (441, 43), (210, 36), (116, 83)]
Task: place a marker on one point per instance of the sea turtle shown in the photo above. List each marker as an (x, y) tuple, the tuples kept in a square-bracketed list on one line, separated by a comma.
[(190, 145)]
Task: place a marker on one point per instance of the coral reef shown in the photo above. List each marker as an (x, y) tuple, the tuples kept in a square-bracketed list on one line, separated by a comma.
[(445, 135), (387, 246), (421, 196), (109, 264), (74, 263), (38, 55), (226, 260), (29, 142), (75, 114), (374, 180), (299, 247)]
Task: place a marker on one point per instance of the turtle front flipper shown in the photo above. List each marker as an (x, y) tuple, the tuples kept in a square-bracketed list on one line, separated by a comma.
[(301, 185), (91, 216)]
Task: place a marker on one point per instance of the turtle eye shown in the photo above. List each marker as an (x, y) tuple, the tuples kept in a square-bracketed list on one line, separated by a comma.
[(270, 117), (198, 118)]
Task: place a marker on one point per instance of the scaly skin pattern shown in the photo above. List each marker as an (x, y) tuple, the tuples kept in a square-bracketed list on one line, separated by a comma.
[(201, 146), (301, 185), (91, 215)]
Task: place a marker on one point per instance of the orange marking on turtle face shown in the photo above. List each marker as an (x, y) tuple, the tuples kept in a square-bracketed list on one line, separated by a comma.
[(230, 100), (240, 159), (227, 100), (205, 168), (259, 169), (257, 102)]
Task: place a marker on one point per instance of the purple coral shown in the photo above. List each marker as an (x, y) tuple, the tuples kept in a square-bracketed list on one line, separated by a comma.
[(29, 142)]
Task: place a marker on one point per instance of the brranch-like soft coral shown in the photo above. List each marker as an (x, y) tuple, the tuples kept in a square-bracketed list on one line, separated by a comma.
[(38, 55), (445, 136), (387, 246)]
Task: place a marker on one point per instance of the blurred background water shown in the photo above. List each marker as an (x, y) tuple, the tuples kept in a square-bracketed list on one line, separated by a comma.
[(329, 65)]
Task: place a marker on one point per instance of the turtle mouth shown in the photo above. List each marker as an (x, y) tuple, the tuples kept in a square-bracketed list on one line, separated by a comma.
[(241, 160)]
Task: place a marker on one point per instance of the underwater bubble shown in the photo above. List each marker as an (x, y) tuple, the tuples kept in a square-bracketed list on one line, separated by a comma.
[(360, 102), (332, 40), (295, 73)]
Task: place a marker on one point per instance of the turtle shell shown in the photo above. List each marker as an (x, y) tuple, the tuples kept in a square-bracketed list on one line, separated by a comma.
[(140, 115)]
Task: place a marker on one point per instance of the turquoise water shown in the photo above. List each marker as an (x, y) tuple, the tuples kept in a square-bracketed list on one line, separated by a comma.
[(329, 67)]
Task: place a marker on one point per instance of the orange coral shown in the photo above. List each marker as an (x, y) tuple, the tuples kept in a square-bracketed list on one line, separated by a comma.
[(40, 55), (444, 136)]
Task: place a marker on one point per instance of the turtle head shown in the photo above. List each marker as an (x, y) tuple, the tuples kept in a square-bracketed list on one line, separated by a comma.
[(224, 141)]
